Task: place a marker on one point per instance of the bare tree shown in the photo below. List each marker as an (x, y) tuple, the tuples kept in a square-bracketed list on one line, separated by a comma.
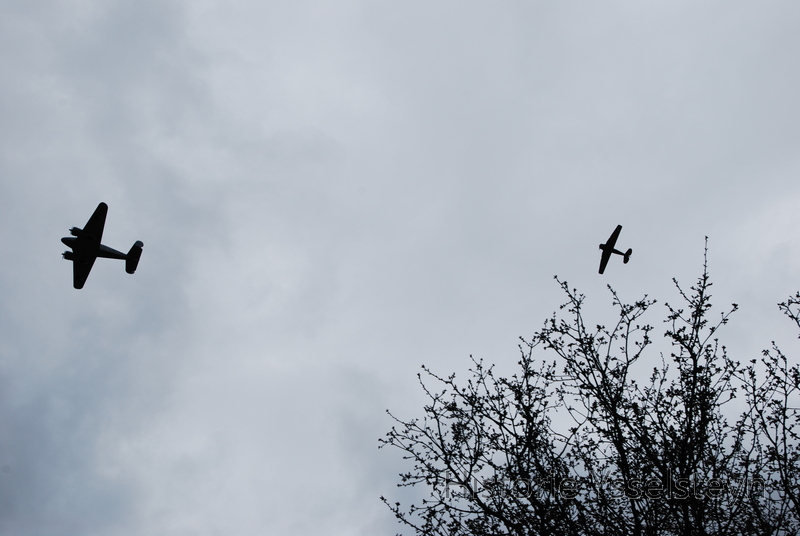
[(574, 443)]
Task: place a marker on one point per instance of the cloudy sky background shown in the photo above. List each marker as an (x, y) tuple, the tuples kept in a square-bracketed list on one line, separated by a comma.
[(331, 194)]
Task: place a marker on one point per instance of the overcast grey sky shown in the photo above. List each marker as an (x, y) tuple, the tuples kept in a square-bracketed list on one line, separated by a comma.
[(331, 194)]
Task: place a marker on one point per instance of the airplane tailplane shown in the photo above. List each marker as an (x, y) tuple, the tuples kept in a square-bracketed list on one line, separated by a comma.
[(627, 256), (132, 258)]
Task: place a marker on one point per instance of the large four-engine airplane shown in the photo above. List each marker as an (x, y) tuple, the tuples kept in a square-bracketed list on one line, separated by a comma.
[(608, 249), (86, 247)]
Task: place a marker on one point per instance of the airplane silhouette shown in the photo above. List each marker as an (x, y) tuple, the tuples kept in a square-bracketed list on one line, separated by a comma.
[(86, 247), (608, 249)]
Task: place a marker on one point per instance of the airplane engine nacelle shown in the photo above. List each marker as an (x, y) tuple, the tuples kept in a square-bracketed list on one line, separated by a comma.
[(75, 231), (68, 256)]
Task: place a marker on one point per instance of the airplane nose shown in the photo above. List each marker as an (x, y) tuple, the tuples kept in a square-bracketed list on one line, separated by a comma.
[(68, 240)]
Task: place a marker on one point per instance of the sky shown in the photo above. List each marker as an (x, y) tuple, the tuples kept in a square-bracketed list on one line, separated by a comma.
[(331, 194)]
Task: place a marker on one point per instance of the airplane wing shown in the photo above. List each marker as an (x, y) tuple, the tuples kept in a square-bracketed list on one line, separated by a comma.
[(612, 240), (94, 227), (80, 271), (604, 259), (87, 245), (608, 248)]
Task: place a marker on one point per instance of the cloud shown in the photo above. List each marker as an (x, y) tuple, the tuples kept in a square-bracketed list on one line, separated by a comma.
[(329, 196)]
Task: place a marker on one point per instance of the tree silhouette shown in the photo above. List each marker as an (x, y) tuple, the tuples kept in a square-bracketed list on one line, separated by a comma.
[(577, 443)]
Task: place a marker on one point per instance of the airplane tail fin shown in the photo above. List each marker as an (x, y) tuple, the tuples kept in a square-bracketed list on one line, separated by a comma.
[(132, 258), (627, 256)]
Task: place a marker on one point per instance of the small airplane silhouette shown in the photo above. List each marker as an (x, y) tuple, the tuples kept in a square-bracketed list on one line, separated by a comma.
[(86, 247), (608, 249)]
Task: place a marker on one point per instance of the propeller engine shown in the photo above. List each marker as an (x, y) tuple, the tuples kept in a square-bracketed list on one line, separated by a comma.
[(75, 231), (68, 255)]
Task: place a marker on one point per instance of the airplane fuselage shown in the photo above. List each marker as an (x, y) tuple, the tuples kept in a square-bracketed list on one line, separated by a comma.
[(89, 249), (611, 249)]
